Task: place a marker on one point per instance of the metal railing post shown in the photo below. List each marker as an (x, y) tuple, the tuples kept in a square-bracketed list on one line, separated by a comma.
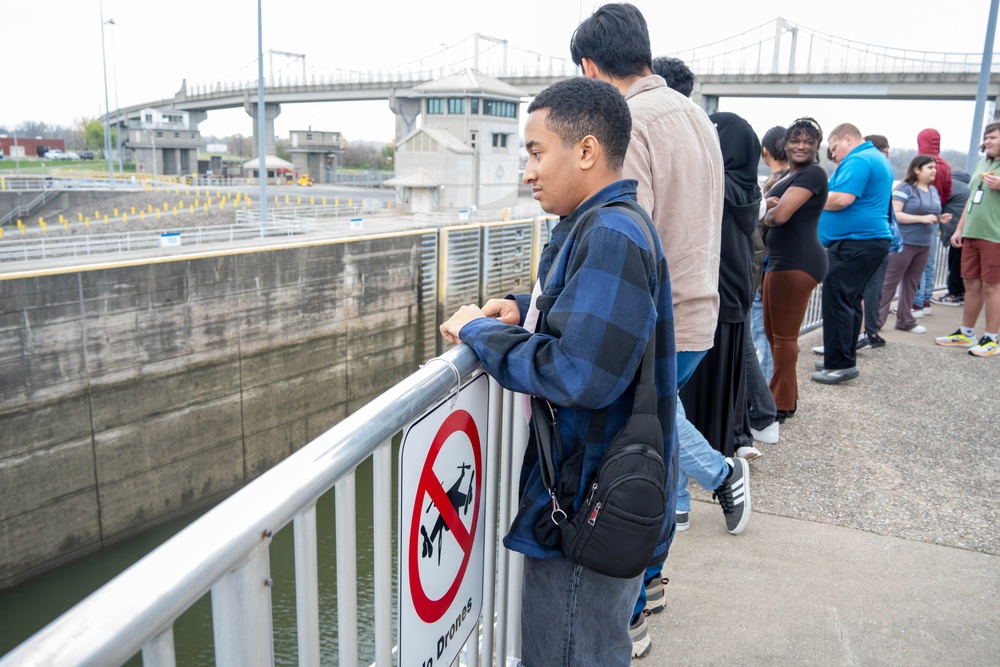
[(347, 571), (159, 651), (241, 613), (382, 551), (306, 588)]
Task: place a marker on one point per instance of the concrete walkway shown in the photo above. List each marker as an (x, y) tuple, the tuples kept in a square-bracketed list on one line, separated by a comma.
[(875, 537)]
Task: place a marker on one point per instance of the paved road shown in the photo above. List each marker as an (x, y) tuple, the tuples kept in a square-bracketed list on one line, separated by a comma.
[(876, 533)]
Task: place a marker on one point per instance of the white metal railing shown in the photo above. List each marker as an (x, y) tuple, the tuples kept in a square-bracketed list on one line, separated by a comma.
[(225, 552)]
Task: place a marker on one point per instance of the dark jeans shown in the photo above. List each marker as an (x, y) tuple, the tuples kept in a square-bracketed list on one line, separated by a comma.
[(873, 297), (956, 286), (852, 264)]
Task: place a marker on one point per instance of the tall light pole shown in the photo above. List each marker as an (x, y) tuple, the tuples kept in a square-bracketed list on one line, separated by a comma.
[(261, 139), (984, 78), (107, 112), (118, 118)]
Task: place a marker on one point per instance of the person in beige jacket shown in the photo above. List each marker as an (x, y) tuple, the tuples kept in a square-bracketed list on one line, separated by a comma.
[(674, 155)]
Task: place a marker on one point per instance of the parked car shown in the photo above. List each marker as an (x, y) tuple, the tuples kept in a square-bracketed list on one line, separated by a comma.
[(71, 156), (86, 155), (55, 154)]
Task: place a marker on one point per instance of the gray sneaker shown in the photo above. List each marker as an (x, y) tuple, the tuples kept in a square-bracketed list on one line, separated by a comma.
[(641, 643), (836, 375), (734, 496), (656, 596)]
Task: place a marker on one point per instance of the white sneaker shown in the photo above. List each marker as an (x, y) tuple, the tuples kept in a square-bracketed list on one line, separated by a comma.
[(818, 349), (768, 435), (748, 453), (918, 328), (917, 312)]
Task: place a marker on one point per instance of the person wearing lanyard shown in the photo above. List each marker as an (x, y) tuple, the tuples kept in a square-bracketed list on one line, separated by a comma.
[(978, 235)]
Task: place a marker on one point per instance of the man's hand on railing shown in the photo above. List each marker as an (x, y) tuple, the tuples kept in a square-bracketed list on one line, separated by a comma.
[(462, 316)]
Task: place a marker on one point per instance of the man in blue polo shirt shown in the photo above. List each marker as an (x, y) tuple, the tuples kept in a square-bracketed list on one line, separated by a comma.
[(854, 227)]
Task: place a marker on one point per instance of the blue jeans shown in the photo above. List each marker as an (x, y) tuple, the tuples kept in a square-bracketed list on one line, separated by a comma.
[(760, 338), (697, 458), (925, 290), (573, 617)]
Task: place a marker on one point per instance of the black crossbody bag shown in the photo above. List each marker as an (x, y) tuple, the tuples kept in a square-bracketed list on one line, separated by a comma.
[(616, 530)]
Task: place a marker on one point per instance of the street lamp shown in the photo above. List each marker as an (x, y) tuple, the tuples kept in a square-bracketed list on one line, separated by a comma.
[(118, 118), (107, 112)]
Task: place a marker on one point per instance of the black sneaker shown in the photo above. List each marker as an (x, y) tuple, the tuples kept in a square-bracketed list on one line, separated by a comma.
[(734, 496), (864, 343), (874, 340)]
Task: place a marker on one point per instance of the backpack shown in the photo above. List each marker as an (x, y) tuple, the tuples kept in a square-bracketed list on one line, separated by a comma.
[(617, 528)]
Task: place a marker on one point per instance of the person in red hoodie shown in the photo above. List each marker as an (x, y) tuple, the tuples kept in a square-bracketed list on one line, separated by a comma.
[(929, 143)]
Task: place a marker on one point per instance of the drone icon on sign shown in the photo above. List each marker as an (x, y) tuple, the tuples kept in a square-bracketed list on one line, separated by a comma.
[(458, 500)]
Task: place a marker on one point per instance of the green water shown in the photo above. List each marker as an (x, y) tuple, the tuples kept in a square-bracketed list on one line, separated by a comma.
[(28, 607)]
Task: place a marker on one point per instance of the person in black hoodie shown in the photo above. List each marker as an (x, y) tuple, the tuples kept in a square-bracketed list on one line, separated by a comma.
[(717, 390)]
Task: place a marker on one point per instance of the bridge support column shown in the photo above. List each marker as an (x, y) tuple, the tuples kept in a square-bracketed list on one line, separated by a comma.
[(710, 103), (271, 111), (406, 109)]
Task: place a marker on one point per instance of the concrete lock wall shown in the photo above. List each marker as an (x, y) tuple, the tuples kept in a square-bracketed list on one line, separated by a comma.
[(130, 395)]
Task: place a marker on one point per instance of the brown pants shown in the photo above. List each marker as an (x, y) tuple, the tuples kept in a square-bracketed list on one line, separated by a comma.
[(786, 296)]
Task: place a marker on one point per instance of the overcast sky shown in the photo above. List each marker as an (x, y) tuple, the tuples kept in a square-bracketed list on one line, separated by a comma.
[(53, 69)]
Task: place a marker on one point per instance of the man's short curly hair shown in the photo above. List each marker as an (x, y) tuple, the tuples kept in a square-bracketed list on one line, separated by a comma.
[(677, 75), (581, 106)]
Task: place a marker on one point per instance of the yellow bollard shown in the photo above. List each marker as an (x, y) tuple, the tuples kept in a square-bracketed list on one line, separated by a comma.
[(41, 223), (324, 201), (196, 202), (191, 208), (116, 213), (217, 195), (124, 217), (389, 205), (175, 211), (157, 214), (133, 210), (79, 217), (187, 191), (142, 215), (275, 199), (336, 202), (96, 214), (222, 205), (286, 199), (1, 232), (3, 186), (206, 208), (177, 190), (87, 224), (150, 209), (165, 206), (105, 219), (298, 200), (20, 225), (209, 202)]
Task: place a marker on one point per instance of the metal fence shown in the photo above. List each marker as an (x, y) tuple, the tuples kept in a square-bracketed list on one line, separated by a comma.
[(225, 552)]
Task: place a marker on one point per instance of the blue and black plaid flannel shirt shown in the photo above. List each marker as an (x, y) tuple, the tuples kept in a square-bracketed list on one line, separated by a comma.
[(598, 314)]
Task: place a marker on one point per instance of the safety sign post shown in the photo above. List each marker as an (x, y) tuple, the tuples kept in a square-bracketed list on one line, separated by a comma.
[(442, 462)]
